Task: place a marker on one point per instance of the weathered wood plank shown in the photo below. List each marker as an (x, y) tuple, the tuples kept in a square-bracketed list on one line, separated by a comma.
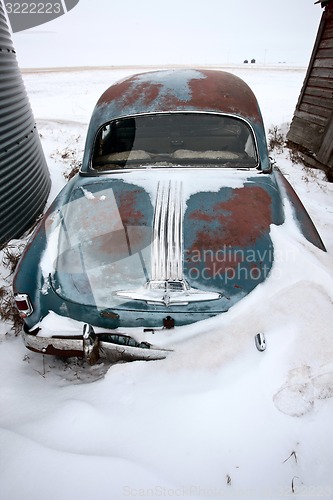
[(321, 83), (305, 133), (307, 129), (324, 62), (315, 110), (316, 120), (324, 53), (319, 102), (325, 94), (322, 72), (326, 44)]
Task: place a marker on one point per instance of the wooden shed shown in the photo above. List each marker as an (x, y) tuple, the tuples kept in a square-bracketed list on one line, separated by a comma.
[(311, 130)]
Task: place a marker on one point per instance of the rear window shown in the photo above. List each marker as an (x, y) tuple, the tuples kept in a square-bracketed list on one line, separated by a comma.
[(172, 139)]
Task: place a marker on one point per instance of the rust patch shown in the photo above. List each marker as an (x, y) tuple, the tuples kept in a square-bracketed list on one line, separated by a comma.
[(224, 229), (109, 315), (127, 206), (226, 93), (130, 92)]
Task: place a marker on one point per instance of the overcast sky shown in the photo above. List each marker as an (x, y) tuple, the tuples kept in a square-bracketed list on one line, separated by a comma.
[(139, 32)]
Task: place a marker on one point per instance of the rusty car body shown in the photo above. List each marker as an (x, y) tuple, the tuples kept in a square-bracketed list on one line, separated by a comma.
[(166, 224)]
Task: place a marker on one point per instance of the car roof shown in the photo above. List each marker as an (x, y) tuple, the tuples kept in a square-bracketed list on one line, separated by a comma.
[(178, 90), (181, 90)]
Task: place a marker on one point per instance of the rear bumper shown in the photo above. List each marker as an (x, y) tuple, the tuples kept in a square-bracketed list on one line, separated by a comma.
[(91, 348)]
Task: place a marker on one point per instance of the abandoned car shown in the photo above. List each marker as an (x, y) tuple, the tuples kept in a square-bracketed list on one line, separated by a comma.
[(166, 224)]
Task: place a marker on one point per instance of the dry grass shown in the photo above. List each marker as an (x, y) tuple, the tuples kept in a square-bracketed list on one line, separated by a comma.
[(71, 157), (8, 312), (276, 139)]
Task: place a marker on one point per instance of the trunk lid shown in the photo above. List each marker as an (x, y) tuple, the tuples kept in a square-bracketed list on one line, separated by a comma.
[(175, 240)]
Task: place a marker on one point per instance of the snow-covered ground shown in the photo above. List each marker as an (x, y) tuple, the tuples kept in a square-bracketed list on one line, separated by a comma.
[(217, 418)]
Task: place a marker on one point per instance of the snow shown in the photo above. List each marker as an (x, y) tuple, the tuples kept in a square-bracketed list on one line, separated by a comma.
[(189, 186), (217, 418)]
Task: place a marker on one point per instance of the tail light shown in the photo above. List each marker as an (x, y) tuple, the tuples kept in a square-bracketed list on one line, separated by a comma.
[(23, 304)]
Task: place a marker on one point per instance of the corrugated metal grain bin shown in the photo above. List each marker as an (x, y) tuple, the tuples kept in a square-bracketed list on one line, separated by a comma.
[(24, 176)]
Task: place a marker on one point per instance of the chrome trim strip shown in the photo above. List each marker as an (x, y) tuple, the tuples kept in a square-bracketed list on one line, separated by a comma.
[(171, 236), (175, 233), (167, 245), (156, 257), (162, 242)]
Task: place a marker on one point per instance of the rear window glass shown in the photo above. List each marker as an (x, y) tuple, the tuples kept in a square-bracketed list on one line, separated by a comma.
[(172, 139)]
